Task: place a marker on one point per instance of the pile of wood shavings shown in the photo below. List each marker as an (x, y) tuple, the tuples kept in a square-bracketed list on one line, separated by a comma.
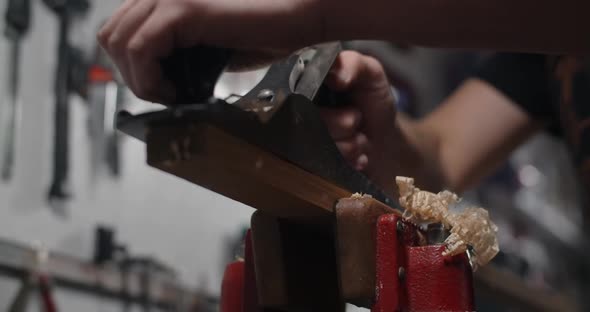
[(471, 227)]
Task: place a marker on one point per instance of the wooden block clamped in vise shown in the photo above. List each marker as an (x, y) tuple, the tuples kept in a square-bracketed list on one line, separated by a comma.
[(356, 232), (208, 156)]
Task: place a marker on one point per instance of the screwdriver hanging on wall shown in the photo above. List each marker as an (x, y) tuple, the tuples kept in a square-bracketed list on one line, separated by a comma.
[(106, 95), (18, 20), (65, 11)]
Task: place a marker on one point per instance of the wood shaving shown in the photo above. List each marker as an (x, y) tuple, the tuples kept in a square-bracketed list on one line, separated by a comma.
[(471, 227), (359, 195)]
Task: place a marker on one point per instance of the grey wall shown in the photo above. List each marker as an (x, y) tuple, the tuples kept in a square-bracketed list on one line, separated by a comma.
[(155, 213)]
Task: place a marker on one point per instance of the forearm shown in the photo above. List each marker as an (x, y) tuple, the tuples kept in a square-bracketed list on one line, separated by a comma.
[(518, 25), (468, 136), (417, 154)]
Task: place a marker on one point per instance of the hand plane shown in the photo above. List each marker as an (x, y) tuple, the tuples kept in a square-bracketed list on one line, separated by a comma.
[(269, 150)]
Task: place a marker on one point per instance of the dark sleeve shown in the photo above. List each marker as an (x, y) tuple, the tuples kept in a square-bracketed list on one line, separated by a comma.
[(525, 79)]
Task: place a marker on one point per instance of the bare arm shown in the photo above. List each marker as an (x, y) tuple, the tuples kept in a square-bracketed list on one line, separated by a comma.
[(469, 135), (511, 25), (142, 32)]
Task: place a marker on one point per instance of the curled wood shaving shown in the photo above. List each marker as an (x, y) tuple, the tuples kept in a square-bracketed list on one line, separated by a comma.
[(471, 227)]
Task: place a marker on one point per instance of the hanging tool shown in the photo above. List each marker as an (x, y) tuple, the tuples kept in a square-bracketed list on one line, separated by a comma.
[(18, 21), (65, 11), (114, 95), (105, 98)]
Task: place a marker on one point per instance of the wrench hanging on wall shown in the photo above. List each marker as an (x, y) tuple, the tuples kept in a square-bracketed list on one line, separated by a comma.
[(18, 20), (65, 11)]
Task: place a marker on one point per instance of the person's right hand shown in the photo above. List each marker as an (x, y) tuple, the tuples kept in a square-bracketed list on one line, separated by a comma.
[(143, 32), (364, 128)]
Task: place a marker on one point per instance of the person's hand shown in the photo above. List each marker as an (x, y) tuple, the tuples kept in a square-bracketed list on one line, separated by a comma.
[(142, 32), (364, 128)]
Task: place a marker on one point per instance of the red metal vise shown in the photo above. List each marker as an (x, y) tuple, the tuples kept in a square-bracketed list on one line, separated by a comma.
[(407, 273)]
